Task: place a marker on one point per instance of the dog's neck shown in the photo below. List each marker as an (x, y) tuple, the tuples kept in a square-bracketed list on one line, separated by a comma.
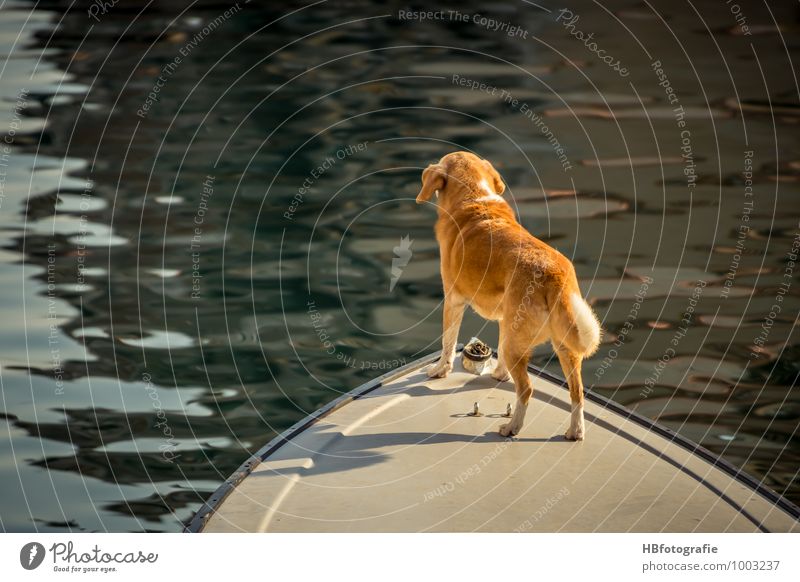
[(465, 194)]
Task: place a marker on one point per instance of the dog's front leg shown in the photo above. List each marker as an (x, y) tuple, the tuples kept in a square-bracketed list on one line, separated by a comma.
[(500, 371), (516, 357), (453, 312)]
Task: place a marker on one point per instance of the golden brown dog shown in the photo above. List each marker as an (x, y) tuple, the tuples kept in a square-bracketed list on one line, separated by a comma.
[(490, 262)]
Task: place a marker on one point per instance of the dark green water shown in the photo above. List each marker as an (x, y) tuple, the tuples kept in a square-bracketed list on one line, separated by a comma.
[(199, 214)]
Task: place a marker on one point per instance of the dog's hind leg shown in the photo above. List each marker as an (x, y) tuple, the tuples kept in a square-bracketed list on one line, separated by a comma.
[(571, 365), (453, 312)]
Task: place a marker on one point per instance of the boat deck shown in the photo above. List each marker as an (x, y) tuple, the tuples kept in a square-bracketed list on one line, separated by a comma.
[(401, 454)]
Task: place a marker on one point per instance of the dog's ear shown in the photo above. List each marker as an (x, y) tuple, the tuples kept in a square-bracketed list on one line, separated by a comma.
[(497, 181), (433, 179)]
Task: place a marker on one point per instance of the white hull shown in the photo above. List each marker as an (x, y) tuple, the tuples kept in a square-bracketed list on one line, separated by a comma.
[(400, 454)]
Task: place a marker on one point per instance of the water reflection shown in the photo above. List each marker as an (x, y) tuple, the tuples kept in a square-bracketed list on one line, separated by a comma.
[(147, 314)]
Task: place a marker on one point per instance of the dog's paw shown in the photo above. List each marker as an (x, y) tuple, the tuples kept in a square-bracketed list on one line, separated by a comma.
[(501, 375), (508, 430), (574, 433), (439, 370)]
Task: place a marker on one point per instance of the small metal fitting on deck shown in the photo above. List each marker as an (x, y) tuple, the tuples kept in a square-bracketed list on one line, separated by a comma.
[(476, 411)]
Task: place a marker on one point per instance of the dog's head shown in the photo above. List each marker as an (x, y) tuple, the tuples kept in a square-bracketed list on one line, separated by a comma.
[(459, 176)]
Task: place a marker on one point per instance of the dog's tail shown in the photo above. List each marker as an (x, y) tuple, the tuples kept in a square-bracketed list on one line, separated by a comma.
[(576, 324)]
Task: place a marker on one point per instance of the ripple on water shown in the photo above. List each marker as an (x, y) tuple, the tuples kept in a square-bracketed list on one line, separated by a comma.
[(76, 204), (636, 162), (695, 374), (160, 340), (570, 208), (652, 112)]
